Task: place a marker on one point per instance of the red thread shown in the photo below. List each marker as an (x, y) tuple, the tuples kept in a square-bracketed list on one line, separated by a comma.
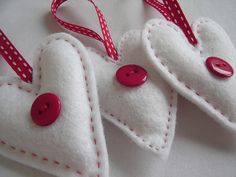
[(182, 82), (125, 124), (165, 139), (78, 172), (45, 159), (67, 166), (92, 128), (95, 141), (56, 162), (98, 164), (34, 155), (18, 86), (23, 152), (169, 119), (90, 102), (12, 147)]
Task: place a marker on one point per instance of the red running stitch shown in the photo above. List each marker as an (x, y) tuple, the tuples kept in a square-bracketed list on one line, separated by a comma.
[(165, 139), (23, 152), (18, 86), (91, 119), (91, 108), (129, 127), (182, 82)]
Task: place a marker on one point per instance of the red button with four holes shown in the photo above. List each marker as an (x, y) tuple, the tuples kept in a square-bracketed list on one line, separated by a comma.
[(46, 109), (219, 67), (131, 75)]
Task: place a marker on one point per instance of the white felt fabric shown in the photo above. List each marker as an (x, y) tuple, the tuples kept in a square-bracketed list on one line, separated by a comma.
[(74, 145), (146, 113), (183, 66), (201, 147)]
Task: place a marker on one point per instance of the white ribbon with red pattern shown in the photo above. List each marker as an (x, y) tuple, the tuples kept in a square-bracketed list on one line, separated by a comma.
[(106, 40), (172, 11), (15, 59)]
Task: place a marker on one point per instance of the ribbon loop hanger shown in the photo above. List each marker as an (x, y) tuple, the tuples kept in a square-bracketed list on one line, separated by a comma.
[(106, 40)]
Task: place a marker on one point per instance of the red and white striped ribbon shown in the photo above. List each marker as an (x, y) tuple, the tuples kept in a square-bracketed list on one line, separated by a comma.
[(160, 7), (106, 40), (15, 59), (172, 11)]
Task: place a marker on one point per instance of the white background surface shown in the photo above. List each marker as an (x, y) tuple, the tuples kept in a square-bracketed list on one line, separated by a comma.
[(201, 147)]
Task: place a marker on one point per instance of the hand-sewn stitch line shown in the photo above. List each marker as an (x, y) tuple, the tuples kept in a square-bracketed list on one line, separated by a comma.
[(24, 152), (174, 75), (148, 144), (18, 86), (34, 155), (122, 43), (170, 114), (196, 30)]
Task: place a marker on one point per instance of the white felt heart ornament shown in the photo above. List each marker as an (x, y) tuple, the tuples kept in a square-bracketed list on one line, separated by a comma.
[(73, 145), (146, 113), (184, 66)]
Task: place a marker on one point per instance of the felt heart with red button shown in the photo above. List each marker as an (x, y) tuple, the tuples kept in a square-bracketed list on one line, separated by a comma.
[(134, 97), (54, 124), (204, 74)]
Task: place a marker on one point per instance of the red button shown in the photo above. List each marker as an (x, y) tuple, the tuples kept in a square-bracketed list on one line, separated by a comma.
[(219, 67), (45, 109), (131, 75)]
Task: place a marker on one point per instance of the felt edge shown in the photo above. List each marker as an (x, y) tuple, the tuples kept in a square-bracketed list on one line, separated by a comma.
[(100, 145), (123, 40), (162, 150), (180, 86)]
